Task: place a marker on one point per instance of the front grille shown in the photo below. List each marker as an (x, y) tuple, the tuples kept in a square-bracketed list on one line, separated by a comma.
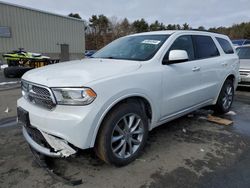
[(40, 90), (38, 95)]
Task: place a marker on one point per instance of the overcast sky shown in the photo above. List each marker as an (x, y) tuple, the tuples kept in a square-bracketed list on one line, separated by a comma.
[(208, 13)]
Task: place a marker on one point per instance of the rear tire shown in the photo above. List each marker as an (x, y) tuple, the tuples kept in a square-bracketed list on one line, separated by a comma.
[(225, 99), (122, 135), (9, 73)]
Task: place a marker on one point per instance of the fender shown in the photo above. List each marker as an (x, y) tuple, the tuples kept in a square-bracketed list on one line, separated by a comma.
[(116, 101)]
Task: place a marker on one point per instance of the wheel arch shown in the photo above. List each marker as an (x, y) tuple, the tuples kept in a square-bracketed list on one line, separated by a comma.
[(230, 77), (142, 100)]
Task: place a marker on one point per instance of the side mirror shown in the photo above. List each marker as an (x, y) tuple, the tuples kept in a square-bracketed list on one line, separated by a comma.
[(176, 56)]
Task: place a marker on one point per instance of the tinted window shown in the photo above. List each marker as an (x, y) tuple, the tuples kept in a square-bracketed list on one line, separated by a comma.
[(238, 42), (183, 43), (226, 46), (204, 47), (244, 52), (138, 47), (247, 42)]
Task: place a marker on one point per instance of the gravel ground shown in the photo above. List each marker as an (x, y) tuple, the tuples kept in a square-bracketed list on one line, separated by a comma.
[(8, 83), (187, 152), (8, 100)]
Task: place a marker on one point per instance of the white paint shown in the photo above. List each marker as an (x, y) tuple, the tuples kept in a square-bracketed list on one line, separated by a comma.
[(171, 90), (175, 55)]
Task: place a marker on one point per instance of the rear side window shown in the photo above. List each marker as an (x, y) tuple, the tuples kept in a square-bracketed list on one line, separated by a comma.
[(226, 46), (204, 47)]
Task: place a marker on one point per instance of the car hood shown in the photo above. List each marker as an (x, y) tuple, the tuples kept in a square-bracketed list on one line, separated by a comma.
[(245, 64), (79, 73)]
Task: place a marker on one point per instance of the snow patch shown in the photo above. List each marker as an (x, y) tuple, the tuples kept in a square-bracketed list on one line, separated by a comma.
[(8, 83), (3, 66), (231, 113)]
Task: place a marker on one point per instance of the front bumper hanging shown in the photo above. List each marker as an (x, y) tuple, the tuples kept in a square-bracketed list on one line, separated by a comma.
[(60, 147)]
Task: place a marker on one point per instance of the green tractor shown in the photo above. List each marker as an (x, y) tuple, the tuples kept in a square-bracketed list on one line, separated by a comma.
[(21, 61)]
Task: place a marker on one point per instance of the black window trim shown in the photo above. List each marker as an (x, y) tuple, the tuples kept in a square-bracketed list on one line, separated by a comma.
[(194, 48)]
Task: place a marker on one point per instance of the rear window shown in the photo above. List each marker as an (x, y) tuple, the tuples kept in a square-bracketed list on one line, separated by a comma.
[(226, 46), (204, 47), (244, 52)]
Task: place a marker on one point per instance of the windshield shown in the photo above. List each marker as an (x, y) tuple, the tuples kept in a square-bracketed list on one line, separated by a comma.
[(244, 52), (140, 48)]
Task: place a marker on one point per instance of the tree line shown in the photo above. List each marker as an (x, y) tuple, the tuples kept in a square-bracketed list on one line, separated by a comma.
[(100, 30)]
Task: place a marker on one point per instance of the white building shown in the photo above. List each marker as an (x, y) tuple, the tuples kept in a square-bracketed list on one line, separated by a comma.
[(38, 31)]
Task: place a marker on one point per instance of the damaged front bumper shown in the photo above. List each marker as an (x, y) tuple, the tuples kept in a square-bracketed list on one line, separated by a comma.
[(58, 147)]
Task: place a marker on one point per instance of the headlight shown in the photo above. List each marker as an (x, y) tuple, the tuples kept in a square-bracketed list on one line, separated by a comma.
[(25, 89), (74, 96)]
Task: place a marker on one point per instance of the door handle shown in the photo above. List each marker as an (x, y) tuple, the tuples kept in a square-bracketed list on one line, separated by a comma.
[(224, 64), (195, 69)]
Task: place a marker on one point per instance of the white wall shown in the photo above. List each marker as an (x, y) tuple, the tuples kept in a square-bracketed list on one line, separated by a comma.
[(40, 32)]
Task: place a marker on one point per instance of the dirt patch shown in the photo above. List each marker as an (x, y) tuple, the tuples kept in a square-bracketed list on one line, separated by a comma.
[(187, 152), (8, 100)]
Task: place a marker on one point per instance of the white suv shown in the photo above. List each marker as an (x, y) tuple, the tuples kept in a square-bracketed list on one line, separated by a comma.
[(126, 89)]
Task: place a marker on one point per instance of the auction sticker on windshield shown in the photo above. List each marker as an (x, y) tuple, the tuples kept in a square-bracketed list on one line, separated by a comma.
[(155, 42)]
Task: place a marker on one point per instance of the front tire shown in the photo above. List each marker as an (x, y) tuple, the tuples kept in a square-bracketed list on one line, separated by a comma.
[(225, 98), (123, 134)]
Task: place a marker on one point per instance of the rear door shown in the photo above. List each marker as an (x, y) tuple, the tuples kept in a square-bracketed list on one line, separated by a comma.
[(211, 65)]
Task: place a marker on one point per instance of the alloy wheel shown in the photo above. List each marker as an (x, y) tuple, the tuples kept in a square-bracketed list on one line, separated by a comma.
[(228, 97), (127, 136)]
